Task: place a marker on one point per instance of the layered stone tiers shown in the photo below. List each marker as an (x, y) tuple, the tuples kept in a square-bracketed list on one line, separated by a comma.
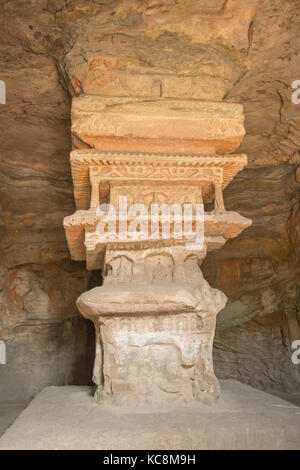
[(155, 314)]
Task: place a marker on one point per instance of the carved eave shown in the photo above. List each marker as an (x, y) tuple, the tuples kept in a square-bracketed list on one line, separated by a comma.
[(135, 167), (85, 243)]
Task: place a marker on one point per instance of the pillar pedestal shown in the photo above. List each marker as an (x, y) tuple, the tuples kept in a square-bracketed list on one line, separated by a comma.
[(154, 342)]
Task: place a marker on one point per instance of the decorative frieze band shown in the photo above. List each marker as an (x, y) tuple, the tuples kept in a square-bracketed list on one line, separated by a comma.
[(92, 166)]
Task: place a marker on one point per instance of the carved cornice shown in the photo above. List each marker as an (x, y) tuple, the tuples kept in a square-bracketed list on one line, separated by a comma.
[(112, 166)]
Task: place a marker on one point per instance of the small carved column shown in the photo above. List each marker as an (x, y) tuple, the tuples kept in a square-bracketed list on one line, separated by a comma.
[(95, 193), (219, 202)]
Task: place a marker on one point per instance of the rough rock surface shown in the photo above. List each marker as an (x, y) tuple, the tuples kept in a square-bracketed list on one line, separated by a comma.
[(46, 47)]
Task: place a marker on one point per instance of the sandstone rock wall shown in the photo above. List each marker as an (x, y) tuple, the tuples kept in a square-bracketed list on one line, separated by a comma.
[(46, 48)]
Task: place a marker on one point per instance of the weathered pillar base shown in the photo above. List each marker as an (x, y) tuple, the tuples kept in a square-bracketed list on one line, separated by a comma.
[(148, 359), (154, 342)]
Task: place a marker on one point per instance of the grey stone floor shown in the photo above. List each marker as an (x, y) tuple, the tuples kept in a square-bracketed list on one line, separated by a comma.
[(9, 411), (243, 418)]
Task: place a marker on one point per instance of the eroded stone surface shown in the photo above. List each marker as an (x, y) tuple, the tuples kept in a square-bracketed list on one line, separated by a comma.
[(155, 124), (156, 340)]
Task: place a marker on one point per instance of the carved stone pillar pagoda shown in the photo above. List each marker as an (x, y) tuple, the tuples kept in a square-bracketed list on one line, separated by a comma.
[(155, 314)]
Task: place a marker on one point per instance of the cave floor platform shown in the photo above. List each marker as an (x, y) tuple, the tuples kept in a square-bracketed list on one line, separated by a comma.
[(69, 418), (9, 411)]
